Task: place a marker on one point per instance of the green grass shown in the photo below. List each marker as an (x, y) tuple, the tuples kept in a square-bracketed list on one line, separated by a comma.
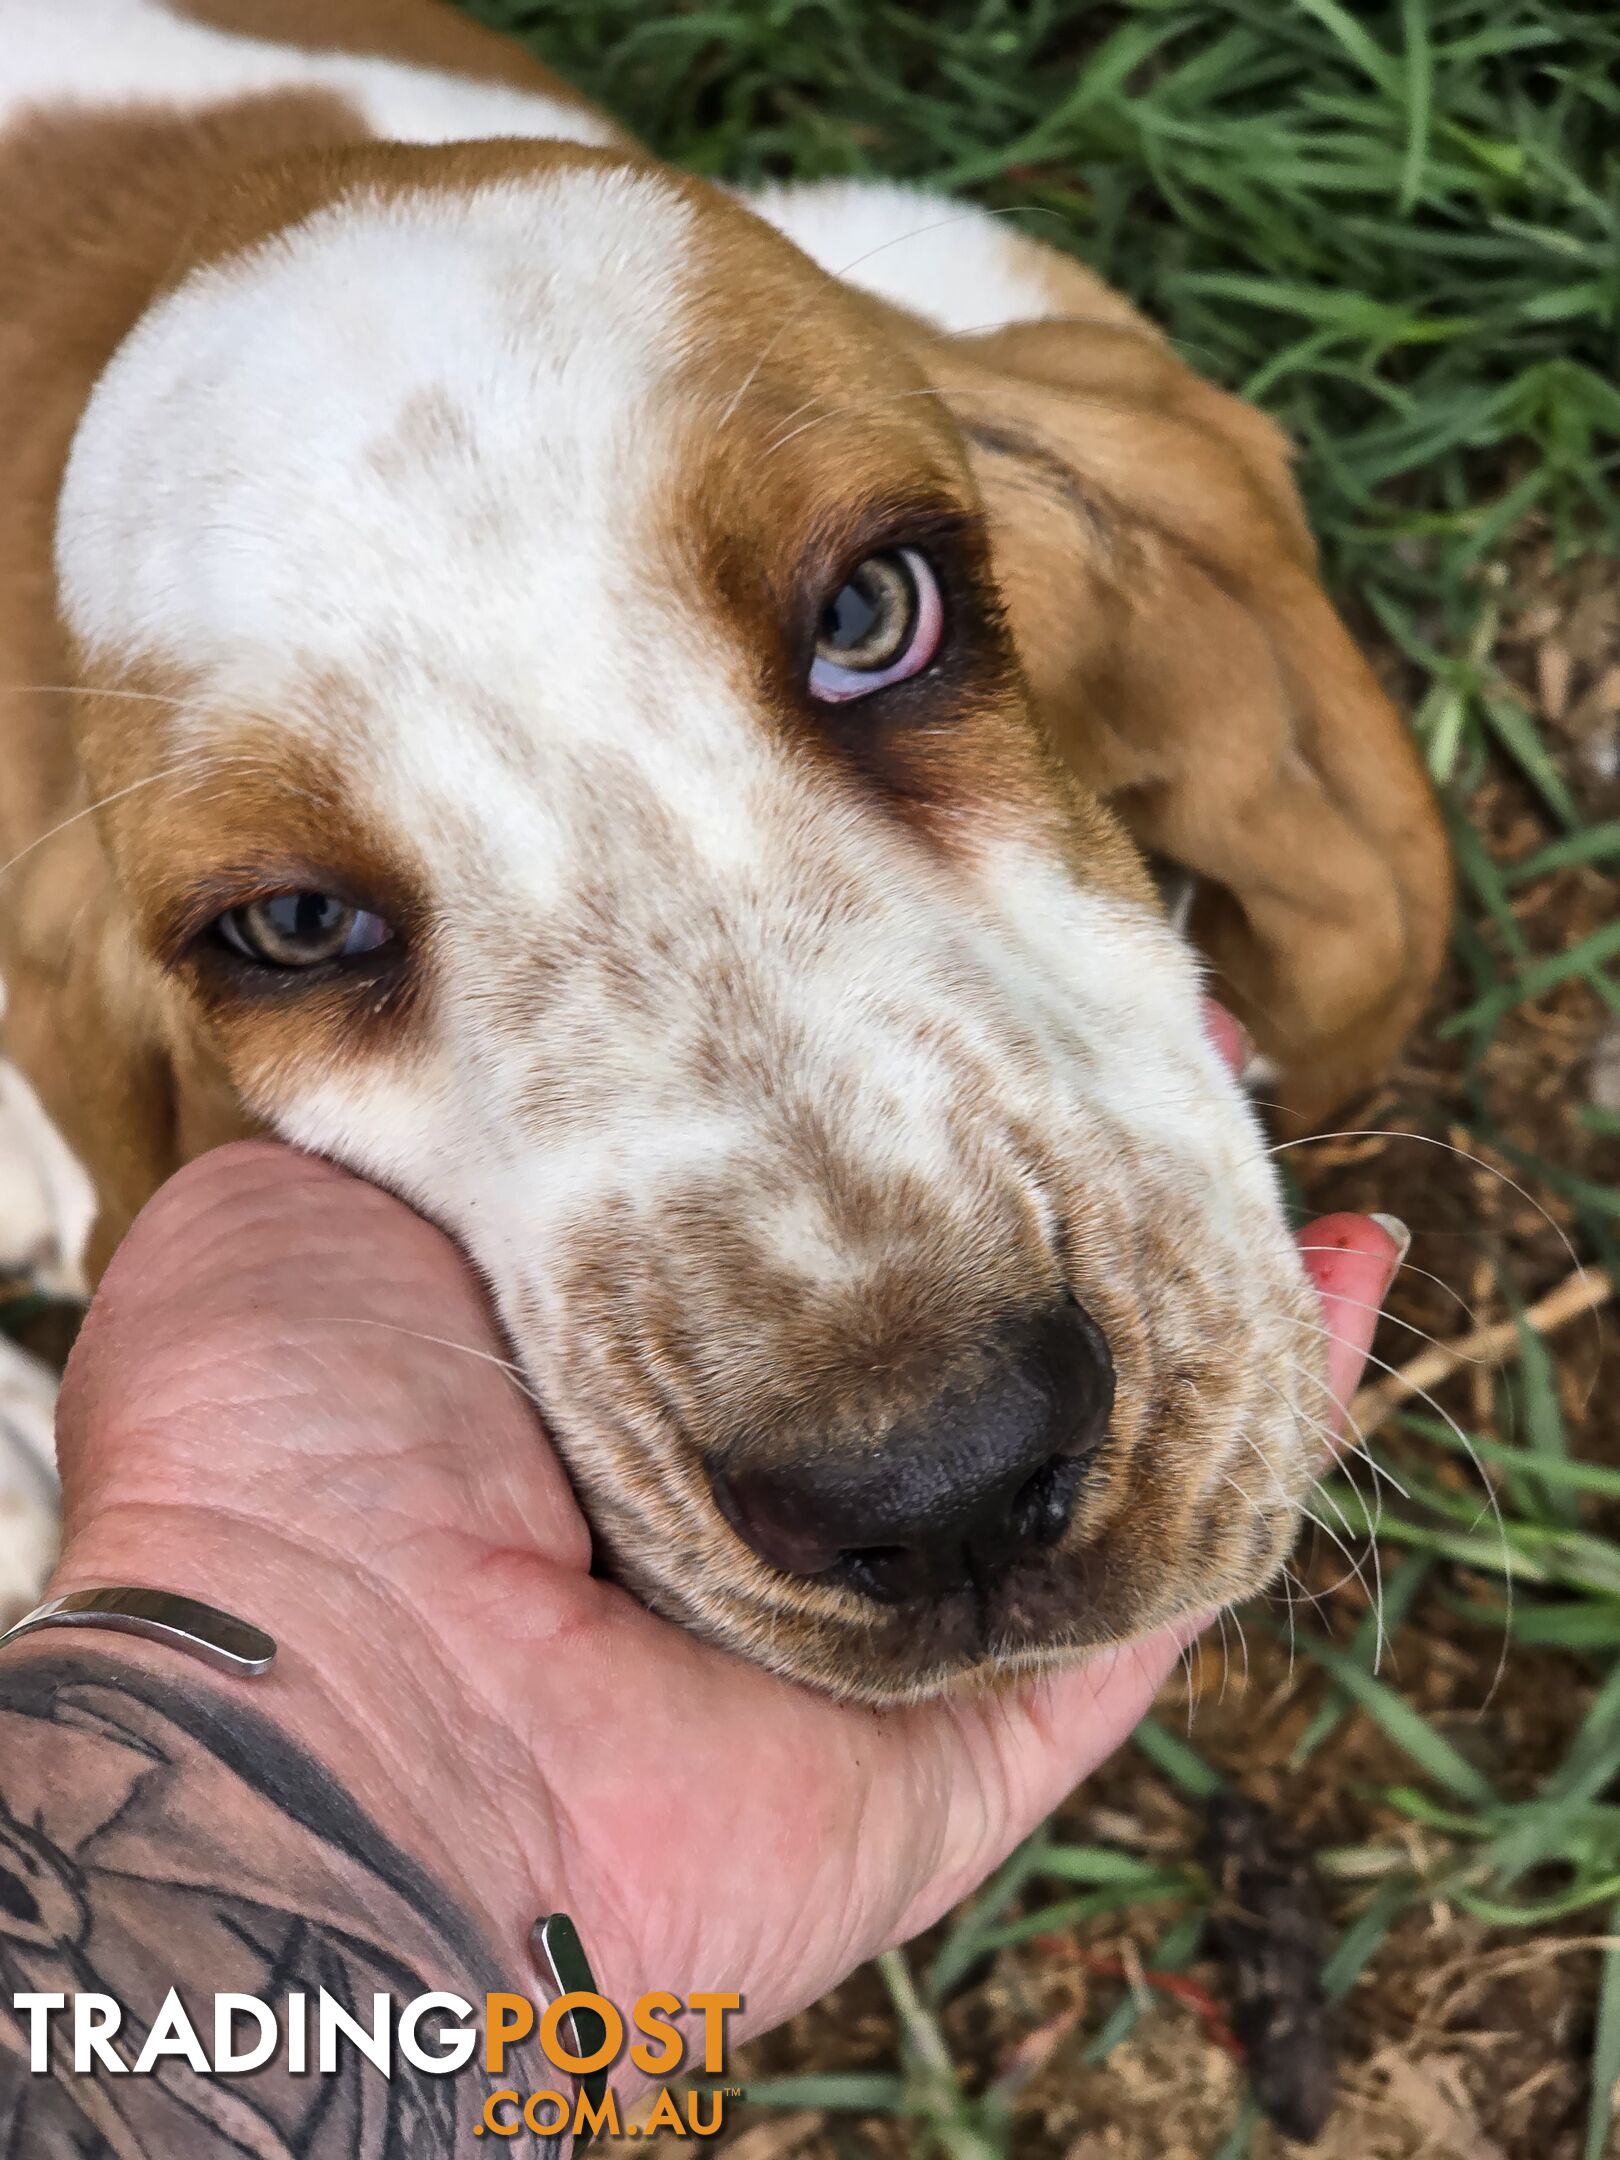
[(1396, 226)]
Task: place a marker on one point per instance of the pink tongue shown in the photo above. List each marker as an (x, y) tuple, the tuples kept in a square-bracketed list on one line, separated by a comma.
[(1229, 1037)]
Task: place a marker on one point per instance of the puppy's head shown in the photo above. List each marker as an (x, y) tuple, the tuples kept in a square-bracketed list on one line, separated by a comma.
[(567, 756)]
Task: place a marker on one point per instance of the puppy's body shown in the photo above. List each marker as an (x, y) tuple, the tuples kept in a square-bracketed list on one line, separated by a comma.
[(429, 527)]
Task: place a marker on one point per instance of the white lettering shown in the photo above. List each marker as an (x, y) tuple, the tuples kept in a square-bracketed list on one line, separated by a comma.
[(227, 2056), (172, 2033), (95, 2019), (454, 2047), (376, 2046), (37, 2009)]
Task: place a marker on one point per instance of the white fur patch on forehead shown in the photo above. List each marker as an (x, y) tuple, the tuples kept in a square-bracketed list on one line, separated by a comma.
[(104, 52), (958, 266), (406, 409)]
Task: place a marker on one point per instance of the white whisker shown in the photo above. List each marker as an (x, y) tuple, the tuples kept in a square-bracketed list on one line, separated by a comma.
[(137, 697), (838, 412), (510, 1371), (1407, 1268), (1282, 1147), (1461, 1357), (1356, 1574), (959, 217), (165, 772)]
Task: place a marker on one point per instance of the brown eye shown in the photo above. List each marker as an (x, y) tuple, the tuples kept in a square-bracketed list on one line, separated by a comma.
[(883, 624), (301, 929)]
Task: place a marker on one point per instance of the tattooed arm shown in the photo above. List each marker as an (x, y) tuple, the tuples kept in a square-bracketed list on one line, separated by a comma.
[(155, 1835), (463, 1727), (372, 1816)]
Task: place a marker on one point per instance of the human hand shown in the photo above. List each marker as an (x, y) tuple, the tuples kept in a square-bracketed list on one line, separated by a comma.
[(289, 1399)]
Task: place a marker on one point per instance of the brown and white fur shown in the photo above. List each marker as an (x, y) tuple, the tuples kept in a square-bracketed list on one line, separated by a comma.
[(415, 491)]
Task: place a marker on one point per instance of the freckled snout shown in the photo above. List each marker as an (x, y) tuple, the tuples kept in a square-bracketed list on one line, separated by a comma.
[(953, 1497)]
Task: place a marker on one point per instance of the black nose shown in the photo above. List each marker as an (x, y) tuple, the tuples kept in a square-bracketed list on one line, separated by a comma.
[(953, 1497)]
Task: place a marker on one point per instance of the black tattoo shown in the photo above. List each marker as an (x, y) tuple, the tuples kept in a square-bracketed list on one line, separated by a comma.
[(156, 1833)]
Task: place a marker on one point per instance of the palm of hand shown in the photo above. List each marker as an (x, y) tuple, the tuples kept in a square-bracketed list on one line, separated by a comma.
[(283, 1339)]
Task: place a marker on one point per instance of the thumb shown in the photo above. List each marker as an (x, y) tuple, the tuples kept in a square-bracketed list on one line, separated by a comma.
[(268, 1319)]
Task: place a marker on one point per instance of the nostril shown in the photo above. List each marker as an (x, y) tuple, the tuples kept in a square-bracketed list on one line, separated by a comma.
[(953, 1498), (1044, 1502), (778, 1521), (886, 1573)]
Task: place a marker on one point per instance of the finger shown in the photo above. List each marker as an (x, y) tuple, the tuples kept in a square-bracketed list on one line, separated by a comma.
[(270, 1319), (1352, 1260), (1034, 1754), (1002, 1763)]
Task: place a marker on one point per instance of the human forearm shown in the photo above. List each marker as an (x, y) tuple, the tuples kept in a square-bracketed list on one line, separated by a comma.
[(156, 1833), (289, 1400)]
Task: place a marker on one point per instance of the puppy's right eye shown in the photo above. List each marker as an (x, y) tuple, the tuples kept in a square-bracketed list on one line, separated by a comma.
[(883, 624), (301, 930)]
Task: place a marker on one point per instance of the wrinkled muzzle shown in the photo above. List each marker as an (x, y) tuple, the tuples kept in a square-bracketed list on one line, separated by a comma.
[(905, 1282)]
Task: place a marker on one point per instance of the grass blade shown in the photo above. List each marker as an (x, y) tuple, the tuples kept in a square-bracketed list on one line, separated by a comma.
[(1605, 2049), (1403, 1726), (1175, 1759)]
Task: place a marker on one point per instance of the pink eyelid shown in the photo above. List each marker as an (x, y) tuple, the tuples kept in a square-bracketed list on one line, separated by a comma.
[(834, 685), (371, 930)]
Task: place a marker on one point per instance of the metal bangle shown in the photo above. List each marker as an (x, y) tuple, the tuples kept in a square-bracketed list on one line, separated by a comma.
[(218, 1638), (559, 1954), (237, 1647)]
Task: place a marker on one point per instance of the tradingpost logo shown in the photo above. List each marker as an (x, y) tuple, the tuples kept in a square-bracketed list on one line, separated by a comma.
[(597, 2031), (580, 2036)]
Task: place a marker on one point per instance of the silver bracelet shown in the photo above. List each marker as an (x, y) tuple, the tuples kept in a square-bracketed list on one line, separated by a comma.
[(237, 1647), (218, 1638), (564, 1968)]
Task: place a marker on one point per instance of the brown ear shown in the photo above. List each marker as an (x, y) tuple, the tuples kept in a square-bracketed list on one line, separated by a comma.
[(97, 1033), (1162, 587)]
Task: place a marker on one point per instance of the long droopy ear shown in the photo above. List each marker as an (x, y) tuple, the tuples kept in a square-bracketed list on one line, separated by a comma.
[(121, 1072), (1162, 588)]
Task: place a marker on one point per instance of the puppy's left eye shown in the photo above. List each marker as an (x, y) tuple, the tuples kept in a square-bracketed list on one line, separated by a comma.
[(301, 929), (882, 625)]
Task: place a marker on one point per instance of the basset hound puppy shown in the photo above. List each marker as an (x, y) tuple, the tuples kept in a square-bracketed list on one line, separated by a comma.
[(637, 716)]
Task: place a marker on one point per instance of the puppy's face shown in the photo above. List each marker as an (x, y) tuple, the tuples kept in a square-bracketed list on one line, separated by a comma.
[(580, 776)]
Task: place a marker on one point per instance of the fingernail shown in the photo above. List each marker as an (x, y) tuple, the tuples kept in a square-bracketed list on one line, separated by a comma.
[(1397, 1233)]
